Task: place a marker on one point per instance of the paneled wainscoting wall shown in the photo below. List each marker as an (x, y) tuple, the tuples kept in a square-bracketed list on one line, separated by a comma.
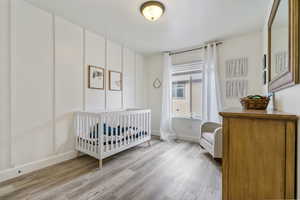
[(44, 80)]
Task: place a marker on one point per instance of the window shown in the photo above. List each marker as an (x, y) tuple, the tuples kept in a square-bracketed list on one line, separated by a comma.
[(186, 90), (178, 90)]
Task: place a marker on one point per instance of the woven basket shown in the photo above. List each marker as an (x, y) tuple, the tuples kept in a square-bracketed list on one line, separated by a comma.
[(255, 104)]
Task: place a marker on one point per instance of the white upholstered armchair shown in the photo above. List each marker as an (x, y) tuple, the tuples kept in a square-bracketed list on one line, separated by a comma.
[(211, 138)]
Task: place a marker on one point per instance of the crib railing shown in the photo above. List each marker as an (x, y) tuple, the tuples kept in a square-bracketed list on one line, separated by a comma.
[(106, 133)]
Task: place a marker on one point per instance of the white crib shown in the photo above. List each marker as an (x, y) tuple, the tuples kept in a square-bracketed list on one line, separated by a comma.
[(104, 134)]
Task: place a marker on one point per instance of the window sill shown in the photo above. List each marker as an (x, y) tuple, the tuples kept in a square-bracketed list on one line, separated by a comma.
[(187, 118)]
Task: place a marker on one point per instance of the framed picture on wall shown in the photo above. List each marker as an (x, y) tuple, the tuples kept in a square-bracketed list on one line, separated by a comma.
[(115, 80), (265, 77), (265, 62), (96, 77)]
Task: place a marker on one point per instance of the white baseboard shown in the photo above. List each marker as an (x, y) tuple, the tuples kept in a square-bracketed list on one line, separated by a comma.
[(187, 138), (33, 166), (155, 132), (179, 137)]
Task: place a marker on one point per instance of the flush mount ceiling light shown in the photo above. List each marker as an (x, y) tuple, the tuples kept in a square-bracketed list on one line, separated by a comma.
[(152, 10)]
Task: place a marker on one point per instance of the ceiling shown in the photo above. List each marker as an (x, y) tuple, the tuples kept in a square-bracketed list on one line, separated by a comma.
[(185, 23)]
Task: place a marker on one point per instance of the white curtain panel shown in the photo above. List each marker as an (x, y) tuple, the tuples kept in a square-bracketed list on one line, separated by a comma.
[(212, 98), (166, 130)]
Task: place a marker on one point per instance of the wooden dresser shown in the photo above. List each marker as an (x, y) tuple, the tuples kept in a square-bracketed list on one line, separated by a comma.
[(259, 153)]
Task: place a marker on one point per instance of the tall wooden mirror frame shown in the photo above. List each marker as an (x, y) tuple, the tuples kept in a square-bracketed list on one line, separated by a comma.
[(291, 77)]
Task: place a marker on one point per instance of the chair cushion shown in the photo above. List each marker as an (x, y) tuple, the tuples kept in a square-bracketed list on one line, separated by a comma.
[(209, 137)]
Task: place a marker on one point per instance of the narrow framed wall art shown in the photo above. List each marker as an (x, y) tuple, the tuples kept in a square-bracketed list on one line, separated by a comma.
[(96, 77), (115, 80)]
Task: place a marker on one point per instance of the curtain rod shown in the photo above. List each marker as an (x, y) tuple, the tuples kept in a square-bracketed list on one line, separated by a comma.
[(195, 49)]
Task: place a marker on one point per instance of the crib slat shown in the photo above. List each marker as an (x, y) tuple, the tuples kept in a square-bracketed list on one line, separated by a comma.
[(121, 130), (112, 132), (81, 130), (96, 141), (117, 130), (85, 124), (133, 130), (143, 118), (87, 132), (90, 130), (144, 122), (136, 133), (129, 129), (76, 130), (124, 130), (149, 124), (144, 125), (94, 144), (136, 127), (132, 133), (84, 132), (100, 137), (106, 129), (115, 125), (113, 117), (146, 128), (140, 125), (94, 131)]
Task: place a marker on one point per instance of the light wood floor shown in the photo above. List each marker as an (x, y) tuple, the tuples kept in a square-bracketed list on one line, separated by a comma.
[(164, 171)]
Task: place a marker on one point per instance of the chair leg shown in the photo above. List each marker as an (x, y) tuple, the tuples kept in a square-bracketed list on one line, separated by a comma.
[(149, 143), (100, 164)]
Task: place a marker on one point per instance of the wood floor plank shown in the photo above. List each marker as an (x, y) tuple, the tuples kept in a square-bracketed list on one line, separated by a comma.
[(163, 171)]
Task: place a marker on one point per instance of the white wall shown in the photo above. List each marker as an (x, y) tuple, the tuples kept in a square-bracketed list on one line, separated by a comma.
[(129, 88), (32, 84), (249, 46), (140, 80), (94, 55), (47, 81), (286, 100), (4, 86), (114, 63), (154, 65), (68, 81), (241, 46), (190, 56)]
